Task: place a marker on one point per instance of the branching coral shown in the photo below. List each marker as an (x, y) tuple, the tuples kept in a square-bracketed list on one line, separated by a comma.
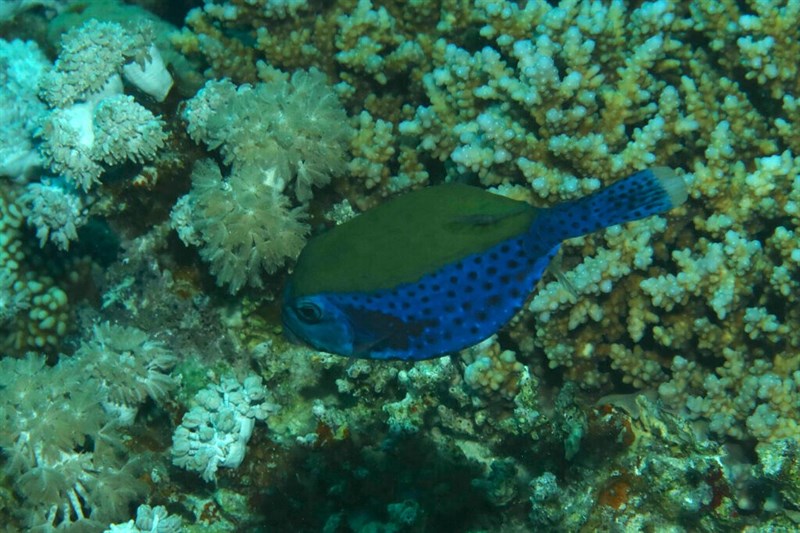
[(547, 102), (540, 101)]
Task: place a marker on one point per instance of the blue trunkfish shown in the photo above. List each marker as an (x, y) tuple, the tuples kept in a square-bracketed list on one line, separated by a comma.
[(442, 268)]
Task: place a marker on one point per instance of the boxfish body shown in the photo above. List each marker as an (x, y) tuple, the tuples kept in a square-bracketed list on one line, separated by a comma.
[(440, 269)]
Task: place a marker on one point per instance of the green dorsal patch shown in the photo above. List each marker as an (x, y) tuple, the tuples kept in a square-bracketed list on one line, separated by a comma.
[(408, 237)]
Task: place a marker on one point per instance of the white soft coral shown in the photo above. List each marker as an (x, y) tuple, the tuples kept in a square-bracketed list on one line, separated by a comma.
[(214, 433), (296, 129), (52, 429), (128, 366), (243, 225), (44, 412)]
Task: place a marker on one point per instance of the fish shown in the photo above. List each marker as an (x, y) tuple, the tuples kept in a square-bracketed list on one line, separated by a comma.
[(439, 269)]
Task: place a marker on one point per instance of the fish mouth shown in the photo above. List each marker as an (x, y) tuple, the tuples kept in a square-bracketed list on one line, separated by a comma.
[(288, 332)]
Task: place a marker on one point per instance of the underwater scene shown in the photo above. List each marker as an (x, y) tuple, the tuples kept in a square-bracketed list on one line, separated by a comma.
[(399, 266)]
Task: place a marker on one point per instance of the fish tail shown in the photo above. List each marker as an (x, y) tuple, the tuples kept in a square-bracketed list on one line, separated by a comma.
[(640, 195)]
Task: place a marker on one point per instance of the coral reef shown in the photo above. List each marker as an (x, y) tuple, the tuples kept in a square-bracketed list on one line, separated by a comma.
[(651, 383)]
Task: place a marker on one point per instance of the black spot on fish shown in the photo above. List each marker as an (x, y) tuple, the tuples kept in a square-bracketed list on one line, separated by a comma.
[(472, 275), (450, 294), (436, 287), (425, 299), (494, 300), (474, 330), (505, 248), (515, 292), (512, 264), (504, 279), (488, 285), (493, 256), (469, 289), (405, 305), (453, 280), (466, 306), (449, 308), (481, 315), (412, 294)]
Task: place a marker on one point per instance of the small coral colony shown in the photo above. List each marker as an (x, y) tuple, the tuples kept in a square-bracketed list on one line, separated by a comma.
[(366, 265)]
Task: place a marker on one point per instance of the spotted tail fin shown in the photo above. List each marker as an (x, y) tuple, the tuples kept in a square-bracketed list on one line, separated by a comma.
[(640, 195)]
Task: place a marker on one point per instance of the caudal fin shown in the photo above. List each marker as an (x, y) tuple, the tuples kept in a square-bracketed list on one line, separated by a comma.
[(640, 195)]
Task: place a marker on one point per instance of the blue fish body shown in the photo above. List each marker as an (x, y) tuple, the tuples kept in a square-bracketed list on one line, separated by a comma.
[(360, 292)]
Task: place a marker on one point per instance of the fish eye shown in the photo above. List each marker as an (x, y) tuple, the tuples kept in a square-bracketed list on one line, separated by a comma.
[(309, 313)]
